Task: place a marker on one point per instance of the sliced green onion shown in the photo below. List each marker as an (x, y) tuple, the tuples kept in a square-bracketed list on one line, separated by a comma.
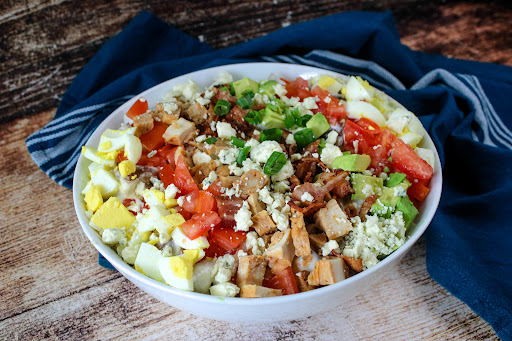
[(301, 121), (222, 107), (289, 119), (245, 102), (242, 155), (272, 107), (224, 88), (321, 146), (386, 169), (235, 141), (390, 159), (272, 134), (253, 117), (304, 137), (275, 162), (211, 140), (231, 89)]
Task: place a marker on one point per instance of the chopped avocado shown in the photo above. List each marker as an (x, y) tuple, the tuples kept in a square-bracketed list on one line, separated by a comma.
[(394, 179), (319, 124), (360, 185), (386, 203), (346, 152), (272, 119), (267, 88), (352, 162), (405, 206), (244, 86)]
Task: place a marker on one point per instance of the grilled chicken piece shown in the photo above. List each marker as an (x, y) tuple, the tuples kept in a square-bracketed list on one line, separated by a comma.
[(354, 264), (251, 270), (333, 220), (263, 224), (300, 236), (143, 123), (179, 132), (196, 113), (251, 182), (281, 251), (302, 281), (327, 271), (255, 204), (317, 241), (164, 116), (255, 291)]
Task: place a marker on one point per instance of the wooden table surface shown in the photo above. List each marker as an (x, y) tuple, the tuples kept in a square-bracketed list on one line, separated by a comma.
[(50, 283)]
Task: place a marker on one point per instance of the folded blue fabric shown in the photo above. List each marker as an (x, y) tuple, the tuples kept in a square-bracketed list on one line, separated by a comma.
[(463, 105)]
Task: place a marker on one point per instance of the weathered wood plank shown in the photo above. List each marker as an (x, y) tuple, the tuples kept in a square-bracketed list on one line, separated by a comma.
[(42, 47)]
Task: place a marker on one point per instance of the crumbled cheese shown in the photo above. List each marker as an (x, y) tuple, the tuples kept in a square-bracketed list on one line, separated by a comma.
[(152, 153), (368, 190), (356, 145), (209, 180), (290, 139), (309, 103), (170, 107), (112, 236), (235, 170), (171, 191), (157, 184), (285, 173), (180, 201), (224, 269), (213, 125), (291, 102), (314, 155), (280, 90), (254, 243), (306, 197), (281, 219), (200, 157), (374, 237), (399, 191), (329, 247), (329, 153), (201, 138), (296, 157), (226, 289), (281, 186), (327, 99), (261, 153), (225, 130), (223, 78), (243, 218), (228, 156)]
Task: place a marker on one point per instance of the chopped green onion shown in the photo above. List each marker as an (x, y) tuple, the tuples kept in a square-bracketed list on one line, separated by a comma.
[(224, 88), (235, 141), (272, 134), (289, 119), (253, 117), (272, 107), (275, 162), (245, 102), (386, 169), (390, 159), (304, 137), (301, 121), (231, 89), (211, 140), (222, 107), (321, 146), (247, 92), (242, 155)]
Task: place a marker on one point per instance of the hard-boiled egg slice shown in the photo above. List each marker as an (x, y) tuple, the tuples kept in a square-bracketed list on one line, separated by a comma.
[(183, 241), (410, 138), (97, 157), (148, 261), (356, 91), (177, 271), (426, 154), (107, 182), (359, 109), (122, 139), (330, 84)]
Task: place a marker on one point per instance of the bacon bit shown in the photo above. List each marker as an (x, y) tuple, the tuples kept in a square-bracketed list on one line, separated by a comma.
[(318, 193), (308, 210), (367, 205)]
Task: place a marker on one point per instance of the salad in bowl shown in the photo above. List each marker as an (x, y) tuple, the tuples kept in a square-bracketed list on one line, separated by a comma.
[(259, 188)]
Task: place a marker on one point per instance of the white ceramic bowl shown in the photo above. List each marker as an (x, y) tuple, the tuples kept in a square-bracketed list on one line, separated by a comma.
[(242, 309)]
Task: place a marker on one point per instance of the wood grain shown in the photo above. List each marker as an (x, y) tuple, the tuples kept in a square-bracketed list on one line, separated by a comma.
[(44, 44)]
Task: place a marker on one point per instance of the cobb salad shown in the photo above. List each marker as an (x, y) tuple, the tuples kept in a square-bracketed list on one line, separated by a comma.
[(259, 189)]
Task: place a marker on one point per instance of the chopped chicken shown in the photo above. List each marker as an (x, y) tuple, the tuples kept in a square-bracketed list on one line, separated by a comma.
[(143, 123), (251, 182), (251, 270), (197, 113), (354, 264), (333, 220), (302, 281), (179, 132), (281, 251), (317, 241), (165, 117), (300, 235), (263, 224), (255, 204), (327, 271), (255, 291)]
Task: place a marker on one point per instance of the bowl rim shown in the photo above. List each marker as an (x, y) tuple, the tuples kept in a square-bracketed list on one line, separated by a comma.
[(124, 267)]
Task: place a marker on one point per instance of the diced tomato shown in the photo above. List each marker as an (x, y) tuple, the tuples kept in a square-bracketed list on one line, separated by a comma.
[(186, 214), (215, 188), (298, 88), (199, 224), (166, 174), (320, 93), (418, 191), (369, 126), (154, 161), (227, 238), (335, 112), (228, 207), (379, 159), (387, 139), (153, 139), (139, 107), (182, 178), (190, 200), (406, 161), (284, 280), (214, 250), (121, 157), (353, 132), (205, 202)]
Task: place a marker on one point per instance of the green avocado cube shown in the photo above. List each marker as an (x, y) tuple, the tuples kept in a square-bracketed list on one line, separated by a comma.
[(267, 88), (245, 85), (395, 179), (352, 162), (386, 203), (346, 152), (360, 185), (406, 206), (319, 124), (272, 119)]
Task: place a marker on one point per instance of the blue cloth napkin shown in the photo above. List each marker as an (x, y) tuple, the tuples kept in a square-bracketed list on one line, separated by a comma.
[(464, 106)]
